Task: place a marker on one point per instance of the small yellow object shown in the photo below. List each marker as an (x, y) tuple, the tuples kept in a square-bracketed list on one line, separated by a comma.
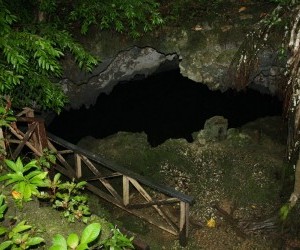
[(16, 195), (243, 8), (211, 223)]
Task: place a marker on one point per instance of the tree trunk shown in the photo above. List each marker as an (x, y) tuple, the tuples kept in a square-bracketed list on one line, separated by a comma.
[(296, 194)]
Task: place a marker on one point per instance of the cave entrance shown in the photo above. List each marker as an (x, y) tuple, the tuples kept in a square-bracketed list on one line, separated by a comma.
[(165, 105)]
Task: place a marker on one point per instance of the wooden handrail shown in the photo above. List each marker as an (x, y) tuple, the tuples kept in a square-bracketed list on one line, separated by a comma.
[(114, 167)]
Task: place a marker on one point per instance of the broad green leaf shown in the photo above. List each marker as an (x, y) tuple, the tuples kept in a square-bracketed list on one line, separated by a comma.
[(57, 247), (39, 179), (34, 241), (33, 174), (3, 230), (19, 165), (21, 227), (2, 197), (73, 240), (90, 233), (14, 178), (2, 209), (59, 241), (27, 192), (56, 177), (82, 246), (81, 184), (31, 164), (5, 244), (4, 177), (13, 166), (20, 187)]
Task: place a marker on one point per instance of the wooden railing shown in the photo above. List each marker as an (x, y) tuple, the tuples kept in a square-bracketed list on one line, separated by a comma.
[(128, 190)]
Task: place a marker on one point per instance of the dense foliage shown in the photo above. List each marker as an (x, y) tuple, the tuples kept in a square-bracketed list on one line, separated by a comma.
[(36, 35)]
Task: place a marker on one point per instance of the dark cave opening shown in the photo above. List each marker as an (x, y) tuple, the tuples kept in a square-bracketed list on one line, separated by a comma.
[(165, 105)]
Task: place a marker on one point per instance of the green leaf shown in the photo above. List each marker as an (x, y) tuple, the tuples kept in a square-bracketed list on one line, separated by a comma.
[(284, 211), (59, 241), (3, 230), (81, 184), (21, 227), (5, 244), (4, 177), (31, 164), (13, 166), (57, 247), (34, 241), (56, 177), (2, 197), (82, 246), (14, 178), (73, 240), (27, 192), (90, 233), (39, 179), (2, 209)]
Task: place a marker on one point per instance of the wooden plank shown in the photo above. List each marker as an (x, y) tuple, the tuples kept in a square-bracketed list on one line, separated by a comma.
[(126, 190), (41, 135), (100, 177), (78, 168), (183, 224), (28, 144), (154, 202), (144, 193), (26, 137), (105, 183), (139, 214), (35, 137), (63, 171), (24, 111), (2, 143), (67, 151), (62, 160), (14, 141)]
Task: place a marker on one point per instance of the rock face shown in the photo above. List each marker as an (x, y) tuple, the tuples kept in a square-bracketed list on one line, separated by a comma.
[(243, 174), (132, 63), (203, 51)]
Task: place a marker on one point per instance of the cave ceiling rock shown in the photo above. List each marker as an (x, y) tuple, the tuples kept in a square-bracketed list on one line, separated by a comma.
[(124, 67), (203, 56)]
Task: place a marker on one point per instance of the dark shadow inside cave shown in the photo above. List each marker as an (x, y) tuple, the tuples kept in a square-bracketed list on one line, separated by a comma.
[(165, 105)]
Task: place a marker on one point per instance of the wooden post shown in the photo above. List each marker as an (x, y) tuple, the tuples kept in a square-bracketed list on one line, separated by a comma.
[(2, 144), (125, 190), (42, 135), (30, 113), (183, 224), (78, 169)]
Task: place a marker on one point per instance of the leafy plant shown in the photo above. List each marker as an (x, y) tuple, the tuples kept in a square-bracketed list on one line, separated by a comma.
[(26, 179), (69, 198), (47, 159), (6, 114), (284, 211), (20, 238), (73, 241), (30, 57), (118, 241), (132, 16), (3, 206)]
